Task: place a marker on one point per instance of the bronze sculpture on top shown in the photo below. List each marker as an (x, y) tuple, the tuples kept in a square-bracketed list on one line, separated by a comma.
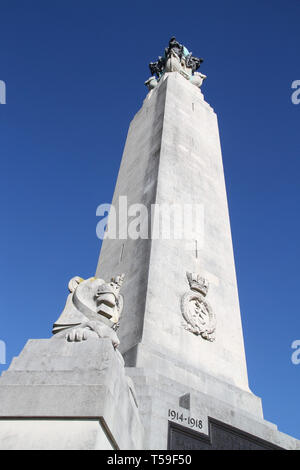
[(176, 59)]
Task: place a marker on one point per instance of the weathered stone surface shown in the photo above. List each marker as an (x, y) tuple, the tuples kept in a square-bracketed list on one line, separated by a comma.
[(57, 380), (53, 434)]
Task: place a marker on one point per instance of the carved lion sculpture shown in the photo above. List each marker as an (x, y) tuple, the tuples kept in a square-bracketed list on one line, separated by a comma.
[(93, 309)]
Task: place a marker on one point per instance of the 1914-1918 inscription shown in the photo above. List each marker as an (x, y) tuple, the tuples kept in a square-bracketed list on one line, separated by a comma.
[(221, 437), (188, 420)]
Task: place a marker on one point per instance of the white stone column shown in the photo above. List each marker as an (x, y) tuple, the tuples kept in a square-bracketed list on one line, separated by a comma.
[(172, 156)]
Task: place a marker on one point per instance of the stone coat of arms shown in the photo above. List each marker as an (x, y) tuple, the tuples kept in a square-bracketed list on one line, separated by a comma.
[(197, 312)]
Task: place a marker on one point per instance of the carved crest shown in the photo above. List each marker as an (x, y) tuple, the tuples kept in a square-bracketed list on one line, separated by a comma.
[(197, 312)]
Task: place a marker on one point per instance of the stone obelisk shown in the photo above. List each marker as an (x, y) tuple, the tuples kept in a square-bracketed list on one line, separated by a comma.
[(172, 156), (180, 331)]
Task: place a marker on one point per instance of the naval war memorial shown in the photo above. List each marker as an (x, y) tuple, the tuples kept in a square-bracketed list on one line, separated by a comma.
[(149, 352)]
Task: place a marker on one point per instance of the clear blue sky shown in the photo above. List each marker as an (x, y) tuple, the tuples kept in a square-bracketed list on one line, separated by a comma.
[(74, 72)]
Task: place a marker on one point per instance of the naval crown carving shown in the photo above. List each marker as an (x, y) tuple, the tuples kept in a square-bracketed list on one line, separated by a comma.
[(196, 311)]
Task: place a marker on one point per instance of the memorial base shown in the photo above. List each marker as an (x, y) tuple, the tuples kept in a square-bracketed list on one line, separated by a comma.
[(179, 417), (61, 395)]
